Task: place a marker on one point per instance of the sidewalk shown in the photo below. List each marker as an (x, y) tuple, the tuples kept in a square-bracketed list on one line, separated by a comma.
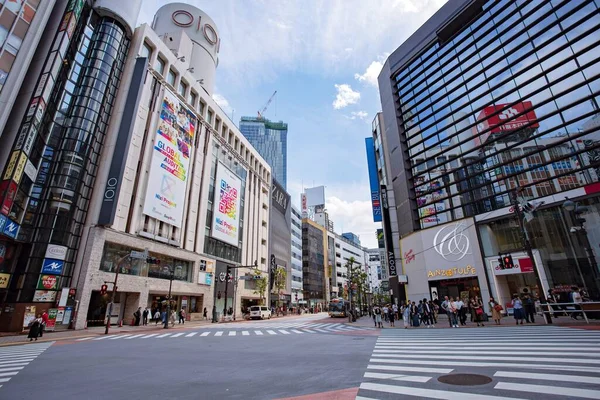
[(506, 321), (8, 339)]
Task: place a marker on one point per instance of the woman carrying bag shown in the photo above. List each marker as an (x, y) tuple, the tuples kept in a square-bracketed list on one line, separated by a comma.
[(496, 310), (477, 309)]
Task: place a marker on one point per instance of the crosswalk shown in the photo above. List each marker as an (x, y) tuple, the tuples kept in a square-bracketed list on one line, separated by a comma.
[(523, 363), (14, 358), (231, 330)]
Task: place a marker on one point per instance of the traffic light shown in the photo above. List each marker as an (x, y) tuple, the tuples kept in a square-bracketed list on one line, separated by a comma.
[(508, 262), (153, 260), (579, 210), (500, 262), (103, 289), (256, 277)]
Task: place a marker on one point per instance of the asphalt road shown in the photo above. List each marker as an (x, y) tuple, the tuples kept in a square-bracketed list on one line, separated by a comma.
[(215, 367), (534, 363)]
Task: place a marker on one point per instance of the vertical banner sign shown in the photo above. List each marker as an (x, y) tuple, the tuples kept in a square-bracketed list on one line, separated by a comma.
[(373, 180), (165, 195), (389, 242), (226, 206)]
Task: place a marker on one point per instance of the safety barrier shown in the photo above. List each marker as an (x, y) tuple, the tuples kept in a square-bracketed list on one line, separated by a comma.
[(573, 308)]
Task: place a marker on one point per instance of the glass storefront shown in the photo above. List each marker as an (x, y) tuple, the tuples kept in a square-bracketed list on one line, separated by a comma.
[(463, 288), (569, 253), (113, 252)]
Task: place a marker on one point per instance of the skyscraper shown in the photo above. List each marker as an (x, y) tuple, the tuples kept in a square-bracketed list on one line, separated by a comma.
[(270, 140)]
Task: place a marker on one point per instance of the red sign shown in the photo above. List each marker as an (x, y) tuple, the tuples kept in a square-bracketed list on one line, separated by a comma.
[(409, 256), (49, 281), (500, 119), (526, 264), (8, 189)]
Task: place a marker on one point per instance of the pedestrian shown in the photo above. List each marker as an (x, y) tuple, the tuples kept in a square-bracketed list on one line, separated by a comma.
[(34, 328), (204, 314), (157, 317), (496, 310), (434, 307), (395, 310), (460, 306), (448, 308), (577, 300), (378, 312), (529, 307), (552, 299), (406, 315), (173, 316), (391, 316), (477, 307), (182, 316), (145, 316), (44, 322), (518, 311), (414, 314), (385, 312), (428, 311), (137, 315)]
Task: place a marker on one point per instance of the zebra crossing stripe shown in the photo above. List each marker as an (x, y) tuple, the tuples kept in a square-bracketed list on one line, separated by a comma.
[(8, 373), (12, 368), (410, 369), (271, 332), (101, 338), (259, 333), (17, 361), (518, 353), (205, 334), (569, 392), (191, 334), (548, 377), (232, 333), (149, 336), (117, 337), (220, 333), (245, 333), (297, 331), (163, 335), (134, 336), (307, 330), (284, 332), (395, 377), (85, 338), (487, 358), (429, 393)]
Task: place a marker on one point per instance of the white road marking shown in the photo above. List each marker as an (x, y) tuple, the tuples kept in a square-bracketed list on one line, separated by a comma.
[(220, 333), (284, 332), (569, 392), (297, 331), (85, 338), (178, 334), (548, 377), (259, 333), (191, 334), (395, 377), (410, 369), (149, 336), (134, 336), (245, 333), (163, 335), (205, 334), (232, 333), (429, 393), (271, 332)]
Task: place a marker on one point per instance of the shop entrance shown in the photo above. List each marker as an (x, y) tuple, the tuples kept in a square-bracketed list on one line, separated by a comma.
[(463, 288)]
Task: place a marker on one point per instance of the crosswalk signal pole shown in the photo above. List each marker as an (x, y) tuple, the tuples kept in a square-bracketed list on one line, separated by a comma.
[(112, 294)]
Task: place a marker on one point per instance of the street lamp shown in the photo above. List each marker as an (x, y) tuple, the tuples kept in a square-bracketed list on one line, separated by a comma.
[(171, 272)]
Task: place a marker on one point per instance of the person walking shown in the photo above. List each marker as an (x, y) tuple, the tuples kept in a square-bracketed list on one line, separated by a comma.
[(395, 311), (477, 307), (406, 315), (447, 307), (460, 305), (518, 311), (373, 315), (414, 314), (44, 322), (385, 312), (423, 313), (173, 316), (34, 328), (496, 310), (182, 316), (378, 312), (552, 299), (529, 307), (428, 311), (137, 315), (391, 316), (156, 317), (577, 299), (204, 314), (434, 307), (145, 316)]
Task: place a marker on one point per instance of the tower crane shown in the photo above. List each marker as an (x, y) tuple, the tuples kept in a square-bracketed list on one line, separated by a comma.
[(261, 113)]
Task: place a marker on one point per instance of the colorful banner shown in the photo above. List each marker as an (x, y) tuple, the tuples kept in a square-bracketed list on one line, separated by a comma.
[(373, 179), (51, 324), (44, 296), (29, 316), (165, 195), (48, 282), (4, 280), (226, 206)]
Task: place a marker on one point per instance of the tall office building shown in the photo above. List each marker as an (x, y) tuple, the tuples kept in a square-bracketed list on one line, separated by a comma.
[(490, 106), (269, 138), (297, 296), (123, 162)]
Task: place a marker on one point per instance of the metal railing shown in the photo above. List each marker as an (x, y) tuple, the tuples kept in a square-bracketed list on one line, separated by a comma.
[(571, 308)]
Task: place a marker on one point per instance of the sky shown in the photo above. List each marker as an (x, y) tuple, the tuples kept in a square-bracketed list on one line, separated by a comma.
[(323, 58)]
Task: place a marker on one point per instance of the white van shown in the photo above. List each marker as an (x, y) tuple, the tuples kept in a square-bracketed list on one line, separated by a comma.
[(260, 312)]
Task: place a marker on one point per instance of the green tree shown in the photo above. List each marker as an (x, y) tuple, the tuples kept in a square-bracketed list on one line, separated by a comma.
[(279, 282), (260, 286)]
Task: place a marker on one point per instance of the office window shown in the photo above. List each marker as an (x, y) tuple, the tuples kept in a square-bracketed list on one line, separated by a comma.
[(146, 50), (182, 88), (159, 66), (193, 97), (171, 77)]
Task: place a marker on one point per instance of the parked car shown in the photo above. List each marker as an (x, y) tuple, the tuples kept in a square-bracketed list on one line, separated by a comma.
[(260, 312)]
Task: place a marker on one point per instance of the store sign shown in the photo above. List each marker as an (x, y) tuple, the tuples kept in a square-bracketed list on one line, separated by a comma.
[(226, 206), (169, 170), (451, 242), (373, 179), (48, 282), (53, 267), (51, 324), (389, 242), (452, 272), (304, 206), (4, 280), (11, 229), (43, 296), (185, 19), (10, 188), (280, 198), (56, 252), (491, 120)]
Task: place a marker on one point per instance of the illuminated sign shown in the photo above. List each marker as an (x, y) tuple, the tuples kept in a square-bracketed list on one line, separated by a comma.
[(451, 272)]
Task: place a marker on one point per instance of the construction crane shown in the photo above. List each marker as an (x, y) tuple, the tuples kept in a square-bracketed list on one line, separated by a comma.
[(262, 112)]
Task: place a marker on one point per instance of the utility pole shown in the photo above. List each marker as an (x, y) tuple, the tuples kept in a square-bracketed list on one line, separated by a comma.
[(229, 268), (112, 294), (527, 244)]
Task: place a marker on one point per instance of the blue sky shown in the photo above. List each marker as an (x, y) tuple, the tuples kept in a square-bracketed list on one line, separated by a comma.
[(323, 58)]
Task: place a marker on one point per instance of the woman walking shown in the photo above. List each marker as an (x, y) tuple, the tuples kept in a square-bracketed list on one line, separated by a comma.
[(518, 311), (406, 315), (477, 307), (34, 328), (391, 316), (496, 309), (377, 313)]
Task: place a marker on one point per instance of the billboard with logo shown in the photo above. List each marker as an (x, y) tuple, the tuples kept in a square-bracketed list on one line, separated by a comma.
[(502, 118), (167, 181), (226, 206), (373, 180)]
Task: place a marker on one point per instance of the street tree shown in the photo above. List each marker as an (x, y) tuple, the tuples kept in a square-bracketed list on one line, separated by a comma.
[(260, 286), (279, 281)]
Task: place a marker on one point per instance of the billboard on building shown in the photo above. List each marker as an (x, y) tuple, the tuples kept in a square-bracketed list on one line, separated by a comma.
[(226, 206), (315, 196), (373, 180), (165, 195), (506, 120)]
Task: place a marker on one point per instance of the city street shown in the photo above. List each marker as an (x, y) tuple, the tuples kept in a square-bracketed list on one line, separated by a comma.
[(317, 358)]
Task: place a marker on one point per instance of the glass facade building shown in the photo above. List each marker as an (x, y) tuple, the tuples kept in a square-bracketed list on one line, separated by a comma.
[(314, 251), (493, 102), (270, 140)]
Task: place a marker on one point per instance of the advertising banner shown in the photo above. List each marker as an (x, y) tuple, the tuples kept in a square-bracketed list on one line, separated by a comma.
[(52, 267), (51, 324), (29, 316), (226, 206), (47, 282), (373, 180), (165, 195), (4, 279), (44, 296), (389, 242)]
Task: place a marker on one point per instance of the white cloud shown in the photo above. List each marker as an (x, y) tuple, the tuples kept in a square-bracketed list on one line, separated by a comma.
[(358, 114), (353, 216), (371, 74), (345, 96), (222, 102)]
